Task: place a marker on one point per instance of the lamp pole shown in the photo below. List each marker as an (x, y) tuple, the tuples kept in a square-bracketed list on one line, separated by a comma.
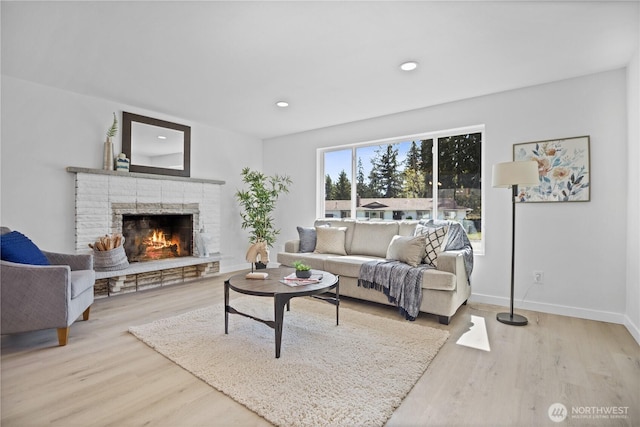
[(511, 318)]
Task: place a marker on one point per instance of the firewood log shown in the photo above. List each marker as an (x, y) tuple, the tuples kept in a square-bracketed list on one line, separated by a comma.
[(107, 243)]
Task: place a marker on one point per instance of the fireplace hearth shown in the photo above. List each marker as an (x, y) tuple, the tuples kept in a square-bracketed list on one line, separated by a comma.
[(154, 237)]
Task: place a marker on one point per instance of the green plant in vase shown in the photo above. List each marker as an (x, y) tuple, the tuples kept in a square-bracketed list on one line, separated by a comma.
[(303, 270), (113, 130), (108, 145), (257, 204)]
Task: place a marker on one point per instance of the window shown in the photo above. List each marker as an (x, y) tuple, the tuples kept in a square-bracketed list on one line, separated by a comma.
[(436, 175), (337, 184)]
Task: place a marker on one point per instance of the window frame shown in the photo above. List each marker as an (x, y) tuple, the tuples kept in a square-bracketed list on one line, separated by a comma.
[(435, 136)]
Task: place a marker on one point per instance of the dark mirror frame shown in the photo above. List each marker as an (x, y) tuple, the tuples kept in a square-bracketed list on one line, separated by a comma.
[(127, 118)]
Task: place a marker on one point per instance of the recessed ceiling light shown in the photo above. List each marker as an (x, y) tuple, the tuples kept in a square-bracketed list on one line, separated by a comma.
[(282, 104), (162, 137), (408, 66)]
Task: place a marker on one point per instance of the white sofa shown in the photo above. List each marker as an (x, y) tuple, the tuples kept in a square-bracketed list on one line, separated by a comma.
[(444, 289)]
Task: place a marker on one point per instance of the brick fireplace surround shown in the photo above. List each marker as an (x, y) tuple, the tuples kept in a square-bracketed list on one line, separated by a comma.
[(103, 196)]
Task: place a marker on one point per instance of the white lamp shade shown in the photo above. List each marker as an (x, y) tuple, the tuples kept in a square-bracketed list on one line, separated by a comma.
[(508, 174)]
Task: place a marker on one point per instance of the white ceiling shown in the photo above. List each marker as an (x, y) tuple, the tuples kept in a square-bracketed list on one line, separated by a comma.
[(227, 63)]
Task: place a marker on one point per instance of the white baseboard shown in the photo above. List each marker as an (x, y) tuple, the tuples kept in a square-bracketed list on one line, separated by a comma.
[(563, 310), (633, 329)]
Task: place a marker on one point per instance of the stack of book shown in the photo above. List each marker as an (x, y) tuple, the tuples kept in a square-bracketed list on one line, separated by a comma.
[(292, 280)]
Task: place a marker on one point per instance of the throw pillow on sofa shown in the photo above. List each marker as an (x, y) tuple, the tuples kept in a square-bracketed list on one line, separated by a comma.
[(331, 240), (407, 249), (307, 239), (434, 238), (18, 248)]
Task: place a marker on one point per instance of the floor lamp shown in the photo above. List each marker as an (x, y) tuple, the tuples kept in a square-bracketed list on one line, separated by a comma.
[(510, 175)]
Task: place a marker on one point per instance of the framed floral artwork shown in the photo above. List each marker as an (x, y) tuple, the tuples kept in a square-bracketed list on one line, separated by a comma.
[(563, 170)]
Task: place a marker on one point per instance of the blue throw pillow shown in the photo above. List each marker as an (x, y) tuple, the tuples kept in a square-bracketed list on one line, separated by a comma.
[(16, 247)]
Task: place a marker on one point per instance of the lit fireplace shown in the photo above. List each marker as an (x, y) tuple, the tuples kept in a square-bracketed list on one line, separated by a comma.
[(153, 237), (158, 246)]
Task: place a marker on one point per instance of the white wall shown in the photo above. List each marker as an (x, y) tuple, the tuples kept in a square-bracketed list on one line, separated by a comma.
[(579, 246), (44, 130)]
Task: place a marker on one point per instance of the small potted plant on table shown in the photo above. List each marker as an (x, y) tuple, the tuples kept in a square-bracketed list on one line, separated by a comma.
[(303, 271)]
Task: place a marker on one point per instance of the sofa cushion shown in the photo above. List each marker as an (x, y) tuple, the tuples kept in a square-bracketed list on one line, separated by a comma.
[(434, 239), (307, 237), (18, 248), (373, 238), (407, 249), (316, 261), (331, 240), (347, 266)]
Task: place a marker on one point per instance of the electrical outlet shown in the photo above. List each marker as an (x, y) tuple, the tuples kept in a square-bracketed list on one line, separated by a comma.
[(538, 277)]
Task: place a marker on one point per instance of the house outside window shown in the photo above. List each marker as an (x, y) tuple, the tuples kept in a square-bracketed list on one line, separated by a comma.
[(434, 175)]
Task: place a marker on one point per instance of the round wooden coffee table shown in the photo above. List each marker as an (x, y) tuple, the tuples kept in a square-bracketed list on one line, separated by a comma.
[(281, 294)]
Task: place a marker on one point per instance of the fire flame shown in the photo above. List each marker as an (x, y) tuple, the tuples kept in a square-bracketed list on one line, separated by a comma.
[(157, 242)]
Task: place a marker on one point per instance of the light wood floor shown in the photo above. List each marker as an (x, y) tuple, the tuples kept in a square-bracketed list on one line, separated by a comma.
[(106, 377)]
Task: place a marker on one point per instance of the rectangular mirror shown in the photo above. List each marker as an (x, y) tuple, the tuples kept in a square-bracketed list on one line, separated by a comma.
[(156, 146)]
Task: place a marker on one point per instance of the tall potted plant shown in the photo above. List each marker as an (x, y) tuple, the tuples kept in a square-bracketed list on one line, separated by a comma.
[(257, 204)]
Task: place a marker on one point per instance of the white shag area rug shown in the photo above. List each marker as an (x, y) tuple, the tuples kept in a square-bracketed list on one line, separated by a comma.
[(354, 374)]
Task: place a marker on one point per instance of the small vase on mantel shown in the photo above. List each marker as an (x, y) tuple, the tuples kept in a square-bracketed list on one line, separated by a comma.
[(107, 163), (122, 163)]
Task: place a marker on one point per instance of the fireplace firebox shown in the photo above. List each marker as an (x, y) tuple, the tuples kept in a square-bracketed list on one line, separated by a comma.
[(153, 237)]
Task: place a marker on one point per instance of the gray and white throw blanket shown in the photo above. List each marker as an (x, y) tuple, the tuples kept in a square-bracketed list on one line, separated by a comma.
[(401, 283)]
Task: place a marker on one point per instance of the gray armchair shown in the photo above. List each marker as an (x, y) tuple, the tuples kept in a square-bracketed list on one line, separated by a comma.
[(35, 297)]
